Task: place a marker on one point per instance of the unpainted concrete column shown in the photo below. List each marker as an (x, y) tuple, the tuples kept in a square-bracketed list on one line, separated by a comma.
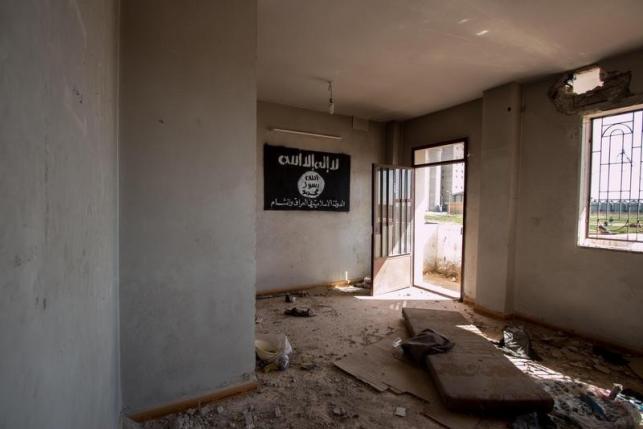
[(187, 203), (498, 186), (393, 146)]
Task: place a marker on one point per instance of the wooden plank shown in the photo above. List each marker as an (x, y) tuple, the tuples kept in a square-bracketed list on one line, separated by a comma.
[(475, 375), (185, 404), (377, 366)]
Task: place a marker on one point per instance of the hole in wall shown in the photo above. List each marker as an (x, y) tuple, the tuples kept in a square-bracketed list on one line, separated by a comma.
[(588, 87), (586, 80)]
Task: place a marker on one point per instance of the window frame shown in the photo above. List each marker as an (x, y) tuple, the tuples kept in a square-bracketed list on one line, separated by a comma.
[(464, 141), (583, 238)]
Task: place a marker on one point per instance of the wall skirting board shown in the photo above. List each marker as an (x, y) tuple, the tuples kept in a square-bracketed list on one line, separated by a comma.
[(469, 300), (489, 313), (178, 406), (595, 340), (521, 317), (305, 287)]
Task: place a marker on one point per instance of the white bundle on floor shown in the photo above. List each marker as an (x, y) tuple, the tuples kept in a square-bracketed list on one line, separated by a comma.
[(273, 351)]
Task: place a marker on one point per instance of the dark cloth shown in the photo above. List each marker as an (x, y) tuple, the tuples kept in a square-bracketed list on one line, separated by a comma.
[(427, 342), (299, 312), (516, 342)]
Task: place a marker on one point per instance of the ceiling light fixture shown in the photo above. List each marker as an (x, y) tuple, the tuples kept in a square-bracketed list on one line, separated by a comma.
[(305, 133), (331, 101)]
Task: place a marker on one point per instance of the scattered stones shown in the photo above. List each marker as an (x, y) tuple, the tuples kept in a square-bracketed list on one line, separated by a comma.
[(316, 394), (602, 368), (400, 412), (307, 366), (128, 423), (204, 411), (249, 419), (182, 422), (580, 365), (571, 354)]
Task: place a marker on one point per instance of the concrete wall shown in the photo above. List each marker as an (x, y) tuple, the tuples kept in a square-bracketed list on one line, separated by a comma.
[(188, 184), (437, 246), (443, 246), (464, 120), (498, 180), (306, 248), (595, 292), (58, 235), (531, 174)]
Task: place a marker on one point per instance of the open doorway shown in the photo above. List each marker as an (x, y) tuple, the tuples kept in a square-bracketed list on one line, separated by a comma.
[(440, 195)]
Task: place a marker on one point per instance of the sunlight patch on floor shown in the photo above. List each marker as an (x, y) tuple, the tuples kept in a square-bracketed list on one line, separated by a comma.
[(408, 294)]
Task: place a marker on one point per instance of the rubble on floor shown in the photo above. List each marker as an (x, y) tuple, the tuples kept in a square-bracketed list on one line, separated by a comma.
[(299, 312), (579, 405), (314, 393)]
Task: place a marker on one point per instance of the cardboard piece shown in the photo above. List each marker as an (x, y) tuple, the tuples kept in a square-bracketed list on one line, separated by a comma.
[(378, 366)]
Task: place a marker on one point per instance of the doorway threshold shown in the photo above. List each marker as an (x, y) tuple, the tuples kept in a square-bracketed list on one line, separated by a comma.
[(407, 294), (440, 290)]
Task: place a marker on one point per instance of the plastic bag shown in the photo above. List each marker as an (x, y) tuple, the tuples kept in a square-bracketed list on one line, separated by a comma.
[(273, 351)]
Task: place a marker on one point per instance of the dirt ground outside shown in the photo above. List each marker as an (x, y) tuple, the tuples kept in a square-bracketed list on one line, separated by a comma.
[(450, 282)]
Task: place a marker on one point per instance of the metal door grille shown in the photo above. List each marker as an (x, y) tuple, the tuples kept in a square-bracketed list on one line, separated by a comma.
[(393, 211)]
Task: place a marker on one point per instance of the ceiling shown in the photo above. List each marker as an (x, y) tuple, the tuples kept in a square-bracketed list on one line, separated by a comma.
[(396, 59)]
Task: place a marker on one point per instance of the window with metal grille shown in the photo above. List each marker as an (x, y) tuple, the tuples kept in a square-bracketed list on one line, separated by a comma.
[(612, 198)]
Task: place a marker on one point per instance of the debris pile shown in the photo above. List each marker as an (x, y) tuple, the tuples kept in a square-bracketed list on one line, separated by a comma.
[(356, 337), (515, 341), (582, 355), (212, 416), (579, 405)]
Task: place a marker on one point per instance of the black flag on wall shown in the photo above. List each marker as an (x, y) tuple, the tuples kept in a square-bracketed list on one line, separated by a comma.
[(296, 179)]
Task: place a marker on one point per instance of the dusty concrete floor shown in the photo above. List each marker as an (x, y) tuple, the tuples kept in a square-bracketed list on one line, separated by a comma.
[(326, 397)]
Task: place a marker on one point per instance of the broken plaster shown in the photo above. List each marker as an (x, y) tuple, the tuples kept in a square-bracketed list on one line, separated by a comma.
[(615, 87)]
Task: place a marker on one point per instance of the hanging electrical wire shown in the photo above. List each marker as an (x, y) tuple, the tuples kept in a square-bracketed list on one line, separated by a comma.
[(331, 101)]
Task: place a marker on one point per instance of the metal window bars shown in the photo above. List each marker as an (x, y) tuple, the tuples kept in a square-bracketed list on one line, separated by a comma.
[(615, 206)]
